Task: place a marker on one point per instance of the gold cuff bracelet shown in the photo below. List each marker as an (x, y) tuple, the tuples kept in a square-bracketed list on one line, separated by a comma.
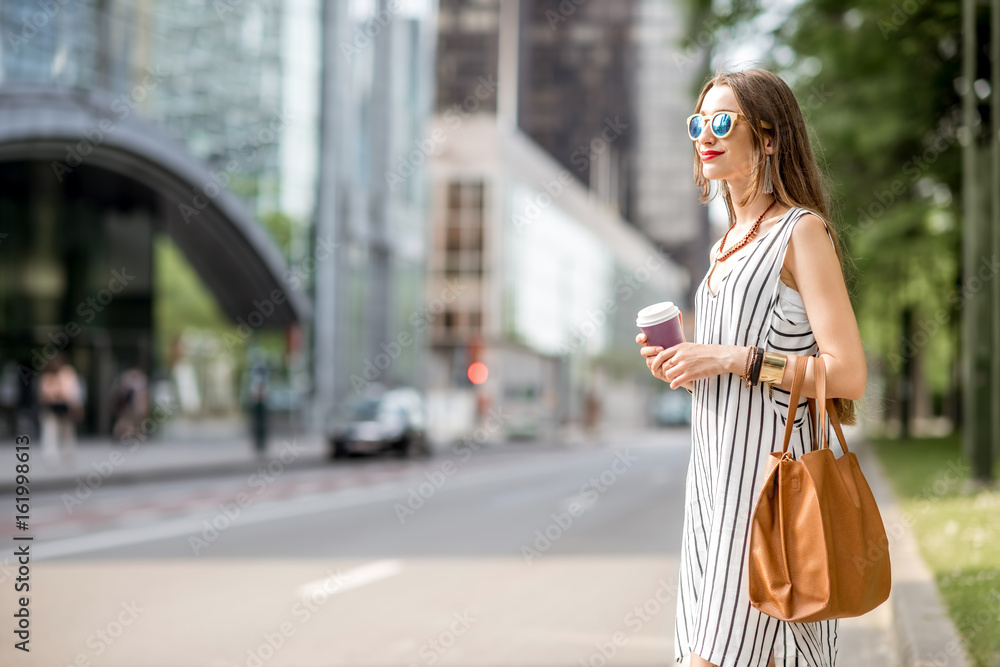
[(772, 370)]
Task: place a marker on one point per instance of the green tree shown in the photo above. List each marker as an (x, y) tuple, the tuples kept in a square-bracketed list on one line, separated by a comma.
[(877, 85)]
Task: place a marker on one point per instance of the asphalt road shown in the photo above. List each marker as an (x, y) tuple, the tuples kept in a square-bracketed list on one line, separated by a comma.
[(527, 554)]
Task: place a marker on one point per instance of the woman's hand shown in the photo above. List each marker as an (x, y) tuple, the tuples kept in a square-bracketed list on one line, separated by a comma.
[(685, 362)]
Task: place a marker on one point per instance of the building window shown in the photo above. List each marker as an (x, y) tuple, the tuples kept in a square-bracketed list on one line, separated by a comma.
[(459, 250)]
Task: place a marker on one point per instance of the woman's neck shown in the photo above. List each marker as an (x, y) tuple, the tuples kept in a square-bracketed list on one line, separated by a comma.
[(747, 215)]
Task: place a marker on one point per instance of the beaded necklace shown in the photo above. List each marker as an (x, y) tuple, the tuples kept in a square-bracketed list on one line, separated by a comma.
[(746, 239), (719, 256)]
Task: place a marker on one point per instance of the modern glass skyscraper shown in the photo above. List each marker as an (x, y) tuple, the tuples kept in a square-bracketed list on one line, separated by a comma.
[(122, 121)]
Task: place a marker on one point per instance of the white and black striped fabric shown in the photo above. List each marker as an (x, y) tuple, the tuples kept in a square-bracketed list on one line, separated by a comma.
[(733, 429)]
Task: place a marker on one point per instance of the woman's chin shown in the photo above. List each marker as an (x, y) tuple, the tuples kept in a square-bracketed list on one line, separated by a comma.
[(713, 174)]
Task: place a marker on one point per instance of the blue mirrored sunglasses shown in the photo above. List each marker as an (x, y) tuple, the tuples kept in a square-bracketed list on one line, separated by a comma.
[(722, 123)]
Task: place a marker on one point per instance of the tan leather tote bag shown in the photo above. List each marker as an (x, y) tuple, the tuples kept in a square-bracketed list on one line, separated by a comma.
[(818, 548)]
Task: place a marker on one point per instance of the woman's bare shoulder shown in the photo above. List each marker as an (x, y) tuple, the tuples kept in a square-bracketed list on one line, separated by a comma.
[(811, 228)]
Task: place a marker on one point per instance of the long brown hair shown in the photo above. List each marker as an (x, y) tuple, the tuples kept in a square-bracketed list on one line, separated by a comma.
[(795, 174)]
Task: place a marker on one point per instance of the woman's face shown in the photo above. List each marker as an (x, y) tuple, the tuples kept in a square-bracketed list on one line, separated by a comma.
[(732, 155)]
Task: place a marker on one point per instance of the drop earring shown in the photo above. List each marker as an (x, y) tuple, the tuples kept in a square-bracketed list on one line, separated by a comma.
[(768, 185)]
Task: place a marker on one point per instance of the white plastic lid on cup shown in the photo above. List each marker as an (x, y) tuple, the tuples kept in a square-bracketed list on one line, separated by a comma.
[(657, 313)]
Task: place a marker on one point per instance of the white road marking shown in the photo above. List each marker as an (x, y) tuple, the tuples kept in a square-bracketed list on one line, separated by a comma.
[(354, 578)]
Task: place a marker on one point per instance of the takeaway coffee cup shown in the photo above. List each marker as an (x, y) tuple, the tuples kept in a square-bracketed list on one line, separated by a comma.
[(661, 323)]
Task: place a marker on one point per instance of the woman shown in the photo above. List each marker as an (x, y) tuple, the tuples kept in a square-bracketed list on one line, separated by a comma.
[(61, 398), (775, 289)]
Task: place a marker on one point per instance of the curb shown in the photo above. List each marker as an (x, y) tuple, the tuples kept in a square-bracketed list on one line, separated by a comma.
[(924, 634), (125, 477), (194, 470)]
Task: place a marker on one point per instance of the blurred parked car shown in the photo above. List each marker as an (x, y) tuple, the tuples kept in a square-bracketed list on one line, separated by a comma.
[(672, 408), (393, 421)]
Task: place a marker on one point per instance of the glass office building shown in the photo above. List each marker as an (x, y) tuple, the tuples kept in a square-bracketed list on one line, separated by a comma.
[(127, 124)]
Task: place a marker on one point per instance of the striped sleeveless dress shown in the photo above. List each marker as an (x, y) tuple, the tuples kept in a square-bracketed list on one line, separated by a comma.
[(733, 429)]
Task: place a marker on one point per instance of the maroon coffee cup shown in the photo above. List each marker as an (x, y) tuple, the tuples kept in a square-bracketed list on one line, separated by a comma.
[(661, 323)]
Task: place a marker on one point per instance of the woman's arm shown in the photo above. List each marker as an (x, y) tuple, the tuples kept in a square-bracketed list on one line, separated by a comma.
[(813, 263), (816, 271)]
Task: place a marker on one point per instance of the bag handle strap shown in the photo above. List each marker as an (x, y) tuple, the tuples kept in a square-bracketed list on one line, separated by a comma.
[(825, 408), (819, 428), (799, 368)]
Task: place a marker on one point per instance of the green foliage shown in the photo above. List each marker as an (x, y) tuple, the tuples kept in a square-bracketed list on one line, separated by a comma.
[(279, 227), (183, 302), (181, 299), (885, 111), (877, 85), (958, 534)]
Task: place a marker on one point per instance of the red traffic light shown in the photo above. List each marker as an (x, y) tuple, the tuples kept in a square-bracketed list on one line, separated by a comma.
[(478, 372)]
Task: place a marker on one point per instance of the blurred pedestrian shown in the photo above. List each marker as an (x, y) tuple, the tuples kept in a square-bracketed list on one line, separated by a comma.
[(11, 388), (28, 420), (259, 378), (592, 410), (131, 401), (60, 398)]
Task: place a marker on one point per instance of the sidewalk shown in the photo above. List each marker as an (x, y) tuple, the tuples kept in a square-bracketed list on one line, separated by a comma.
[(922, 632), (185, 451)]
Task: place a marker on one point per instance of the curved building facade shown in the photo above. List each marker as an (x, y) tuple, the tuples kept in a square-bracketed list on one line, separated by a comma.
[(123, 122)]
